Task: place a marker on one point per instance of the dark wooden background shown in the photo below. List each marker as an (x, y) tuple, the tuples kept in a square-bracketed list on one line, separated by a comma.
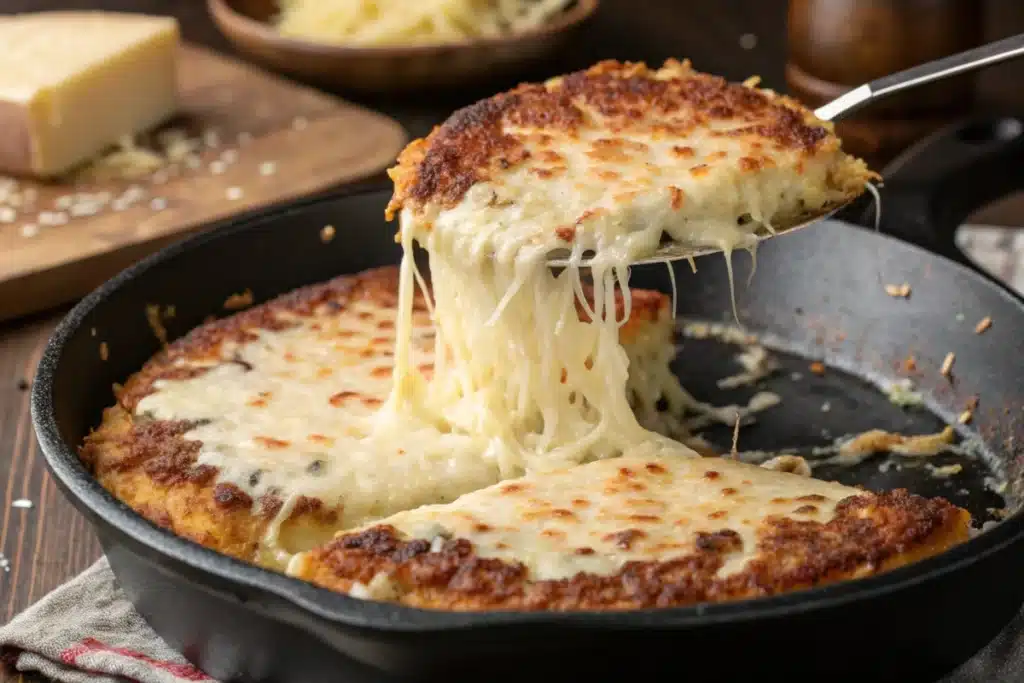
[(49, 543)]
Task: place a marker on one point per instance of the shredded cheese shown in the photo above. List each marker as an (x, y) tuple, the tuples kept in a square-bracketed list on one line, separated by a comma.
[(397, 22)]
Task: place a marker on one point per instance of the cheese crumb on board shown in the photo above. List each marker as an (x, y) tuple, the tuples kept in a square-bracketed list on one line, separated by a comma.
[(74, 83)]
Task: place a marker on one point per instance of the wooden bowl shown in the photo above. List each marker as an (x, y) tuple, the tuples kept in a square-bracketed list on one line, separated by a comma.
[(389, 69)]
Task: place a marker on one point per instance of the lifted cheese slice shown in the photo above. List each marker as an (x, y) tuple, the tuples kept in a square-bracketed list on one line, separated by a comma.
[(74, 83), (611, 158)]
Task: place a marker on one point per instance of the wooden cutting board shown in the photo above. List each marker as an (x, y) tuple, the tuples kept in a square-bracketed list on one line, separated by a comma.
[(258, 140)]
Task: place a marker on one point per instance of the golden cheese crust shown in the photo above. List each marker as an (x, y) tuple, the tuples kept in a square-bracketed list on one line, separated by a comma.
[(868, 534), (150, 466), (529, 124)]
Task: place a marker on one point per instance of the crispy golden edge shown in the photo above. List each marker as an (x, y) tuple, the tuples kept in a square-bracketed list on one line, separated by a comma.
[(148, 465), (869, 534), (471, 145)]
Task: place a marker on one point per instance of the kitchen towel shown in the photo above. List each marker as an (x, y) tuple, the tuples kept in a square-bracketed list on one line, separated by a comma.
[(87, 631)]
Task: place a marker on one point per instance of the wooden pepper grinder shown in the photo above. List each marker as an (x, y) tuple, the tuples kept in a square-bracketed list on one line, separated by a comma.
[(835, 45)]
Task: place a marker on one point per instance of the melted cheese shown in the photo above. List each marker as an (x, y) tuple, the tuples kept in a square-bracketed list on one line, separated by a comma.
[(290, 412), (596, 517), (517, 367)]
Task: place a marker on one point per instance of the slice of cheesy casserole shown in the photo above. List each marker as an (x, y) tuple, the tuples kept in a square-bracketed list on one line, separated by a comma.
[(611, 158), (633, 532)]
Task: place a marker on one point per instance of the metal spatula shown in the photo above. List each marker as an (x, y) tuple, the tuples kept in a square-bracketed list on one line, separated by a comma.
[(992, 53)]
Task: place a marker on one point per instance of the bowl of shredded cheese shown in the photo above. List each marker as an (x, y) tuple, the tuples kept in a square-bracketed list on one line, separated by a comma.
[(392, 45)]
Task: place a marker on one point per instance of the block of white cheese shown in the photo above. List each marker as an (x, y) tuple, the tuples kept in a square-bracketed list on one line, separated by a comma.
[(74, 83)]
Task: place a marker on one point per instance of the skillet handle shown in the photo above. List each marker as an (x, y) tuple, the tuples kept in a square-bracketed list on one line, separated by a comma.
[(938, 182)]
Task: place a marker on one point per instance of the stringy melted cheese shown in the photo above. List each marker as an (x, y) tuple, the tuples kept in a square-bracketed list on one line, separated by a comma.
[(517, 367), (290, 413)]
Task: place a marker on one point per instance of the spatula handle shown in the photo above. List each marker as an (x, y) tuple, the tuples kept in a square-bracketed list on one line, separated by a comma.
[(992, 53)]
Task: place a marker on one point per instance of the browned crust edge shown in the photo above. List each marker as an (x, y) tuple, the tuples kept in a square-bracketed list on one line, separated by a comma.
[(869, 534)]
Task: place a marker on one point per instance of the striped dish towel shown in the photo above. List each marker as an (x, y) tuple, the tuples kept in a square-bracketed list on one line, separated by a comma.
[(86, 631)]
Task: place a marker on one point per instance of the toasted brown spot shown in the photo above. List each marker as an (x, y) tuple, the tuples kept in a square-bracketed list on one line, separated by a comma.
[(580, 502), (718, 514), (712, 474), (583, 551), (700, 170), (722, 541), (749, 164), (812, 498), (480, 527), (550, 156), (683, 152), (609, 154), (230, 496), (341, 397), (644, 518), (624, 539), (805, 510), (590, 213), (566, 233), (271, 443), (655, 468), (513, 488), (729, 491), (678, 198), (381, 372)]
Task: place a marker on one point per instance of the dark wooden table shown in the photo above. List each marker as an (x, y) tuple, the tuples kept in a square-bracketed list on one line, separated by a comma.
[(50, 542)]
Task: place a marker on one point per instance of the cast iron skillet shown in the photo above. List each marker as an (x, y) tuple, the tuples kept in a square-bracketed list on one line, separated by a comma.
[(820, 292)]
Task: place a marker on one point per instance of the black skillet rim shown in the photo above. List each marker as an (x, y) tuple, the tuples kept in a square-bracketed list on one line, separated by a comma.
[(343, 610)]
